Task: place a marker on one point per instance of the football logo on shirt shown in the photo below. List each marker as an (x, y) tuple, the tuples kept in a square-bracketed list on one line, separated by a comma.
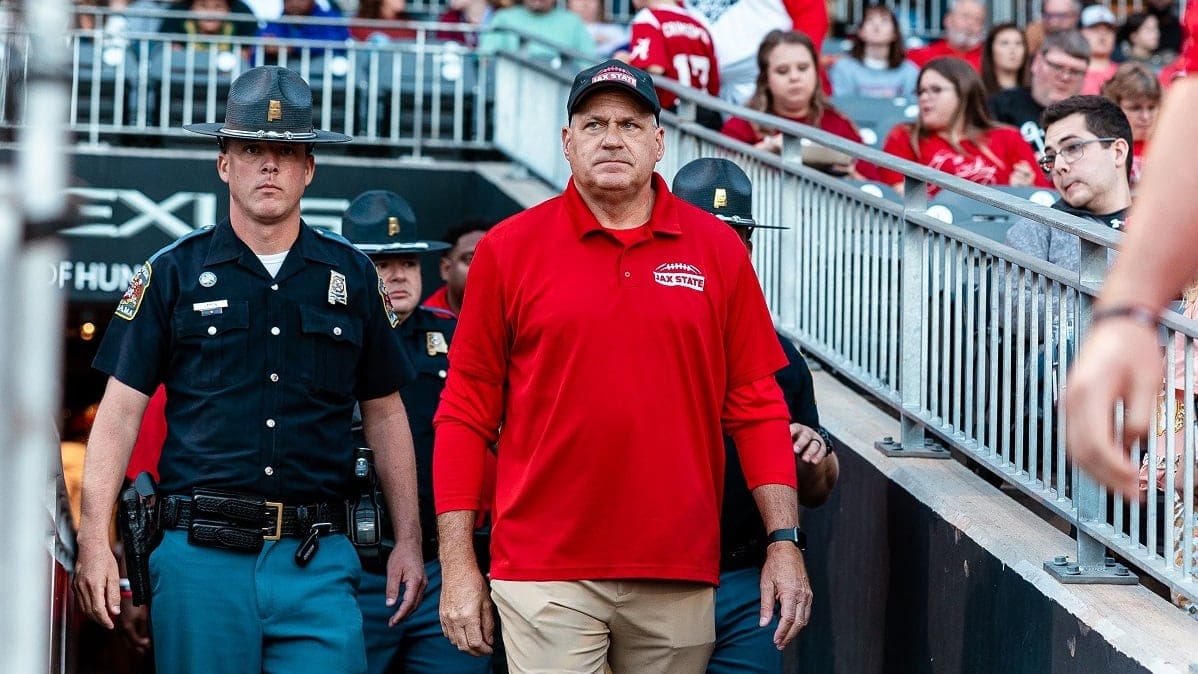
[(680, 274)]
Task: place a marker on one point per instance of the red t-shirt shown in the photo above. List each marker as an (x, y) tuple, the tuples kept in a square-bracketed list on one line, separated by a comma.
[(613, 369), (147, 449), (673, 39), (439, 299), (921, 56), (1139, 149), (1005, 149), (831, 121)]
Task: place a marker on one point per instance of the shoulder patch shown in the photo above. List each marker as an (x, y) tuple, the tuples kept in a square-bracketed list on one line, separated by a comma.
[(131, 300), (387, 308)]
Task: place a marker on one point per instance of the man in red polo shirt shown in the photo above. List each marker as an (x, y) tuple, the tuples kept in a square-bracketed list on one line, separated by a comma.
[(612, 348)]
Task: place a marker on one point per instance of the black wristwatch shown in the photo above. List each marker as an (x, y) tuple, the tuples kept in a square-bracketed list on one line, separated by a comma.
[(793, 535)]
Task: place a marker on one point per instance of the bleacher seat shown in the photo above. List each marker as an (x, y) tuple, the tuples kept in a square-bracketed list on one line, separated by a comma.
[(435, 78), (989, 221), (202, 99), (107, 71), (875, 117)]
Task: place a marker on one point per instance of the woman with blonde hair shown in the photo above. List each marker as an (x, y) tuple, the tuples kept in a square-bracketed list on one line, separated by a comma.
[(955, 134)]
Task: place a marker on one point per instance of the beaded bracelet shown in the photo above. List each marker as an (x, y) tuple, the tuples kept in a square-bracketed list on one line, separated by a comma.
[(1136, 312)]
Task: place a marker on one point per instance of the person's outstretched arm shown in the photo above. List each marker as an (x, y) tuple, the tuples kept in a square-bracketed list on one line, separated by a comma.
[(1121, 358)]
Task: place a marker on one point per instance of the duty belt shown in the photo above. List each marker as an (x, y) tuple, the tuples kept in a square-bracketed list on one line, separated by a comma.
[(269, 520)]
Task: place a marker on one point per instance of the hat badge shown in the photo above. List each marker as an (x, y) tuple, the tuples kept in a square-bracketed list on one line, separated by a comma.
[(274, 111), (392, 226), (721, 198)]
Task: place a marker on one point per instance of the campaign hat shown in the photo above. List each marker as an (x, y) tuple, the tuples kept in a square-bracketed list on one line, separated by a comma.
[(269, 103), (719, 187), (614, 74), (379, 222)]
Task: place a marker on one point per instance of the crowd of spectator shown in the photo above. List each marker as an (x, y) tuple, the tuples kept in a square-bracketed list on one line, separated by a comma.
[(1022, 69)]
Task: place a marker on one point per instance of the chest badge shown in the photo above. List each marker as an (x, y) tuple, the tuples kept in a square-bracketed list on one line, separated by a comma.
[(337, 291), (680, 275), (435, 343), (207, 279)]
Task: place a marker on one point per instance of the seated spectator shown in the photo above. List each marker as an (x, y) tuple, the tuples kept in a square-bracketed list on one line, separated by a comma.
[(541, 18), (608, 36), (305, 9), (1088, 145), (1139, 39), (964, 29), (212, 19), (877, 65), (382, 10), (476, 13), (788, 85), (1004, 59), (954, 133), (1169, 26), (1057, 72), (230, 18), (669, 40), (1099, 29), (1137, 92), (1056, 16)]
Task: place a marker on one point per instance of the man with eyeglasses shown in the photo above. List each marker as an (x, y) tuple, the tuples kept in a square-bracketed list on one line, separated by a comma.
[(1088, 157), (1058, 71)]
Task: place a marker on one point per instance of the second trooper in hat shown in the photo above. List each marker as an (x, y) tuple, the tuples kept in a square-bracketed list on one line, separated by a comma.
[(383, 225), (721, 188)]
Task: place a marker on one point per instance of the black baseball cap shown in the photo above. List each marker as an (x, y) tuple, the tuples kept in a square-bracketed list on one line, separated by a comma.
[(719, 187), (614, 74)]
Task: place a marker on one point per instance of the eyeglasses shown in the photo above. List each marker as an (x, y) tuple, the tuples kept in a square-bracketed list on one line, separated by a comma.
[(1062, 70), (1070, 152)]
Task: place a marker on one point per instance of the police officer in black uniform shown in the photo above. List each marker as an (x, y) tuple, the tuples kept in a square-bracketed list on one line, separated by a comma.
[(720, 187), (264, 331), (383, 225)]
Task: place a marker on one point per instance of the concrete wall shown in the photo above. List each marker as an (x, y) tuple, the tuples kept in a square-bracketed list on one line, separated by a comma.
[(918, 565)]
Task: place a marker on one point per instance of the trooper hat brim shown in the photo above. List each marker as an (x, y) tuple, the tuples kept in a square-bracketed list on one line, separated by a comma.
[(405, 248), (219, 130)]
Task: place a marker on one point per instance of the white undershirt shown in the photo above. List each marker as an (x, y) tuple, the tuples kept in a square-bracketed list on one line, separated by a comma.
[(273, 261)]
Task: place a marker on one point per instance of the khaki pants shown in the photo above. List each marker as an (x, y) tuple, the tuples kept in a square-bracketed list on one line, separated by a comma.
[(578, 627)]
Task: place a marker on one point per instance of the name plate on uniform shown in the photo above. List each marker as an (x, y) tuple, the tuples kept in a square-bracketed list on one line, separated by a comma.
[(210, 308)]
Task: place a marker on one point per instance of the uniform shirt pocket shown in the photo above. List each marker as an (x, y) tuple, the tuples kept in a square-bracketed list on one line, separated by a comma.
[(331, 344), (221, 342)]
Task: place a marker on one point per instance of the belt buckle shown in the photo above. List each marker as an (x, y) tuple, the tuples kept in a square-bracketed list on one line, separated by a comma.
[(278, 529)]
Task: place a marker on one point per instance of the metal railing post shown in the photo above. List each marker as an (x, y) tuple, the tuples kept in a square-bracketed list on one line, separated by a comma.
[(1089, 498), (913, 332)]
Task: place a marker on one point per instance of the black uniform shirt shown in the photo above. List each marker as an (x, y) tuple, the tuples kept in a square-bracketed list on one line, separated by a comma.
[(740, 520), (425, 336), (261, 373)]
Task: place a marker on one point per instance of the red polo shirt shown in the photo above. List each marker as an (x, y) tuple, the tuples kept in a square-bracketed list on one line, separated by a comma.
[(921, 56), (612, 368)]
